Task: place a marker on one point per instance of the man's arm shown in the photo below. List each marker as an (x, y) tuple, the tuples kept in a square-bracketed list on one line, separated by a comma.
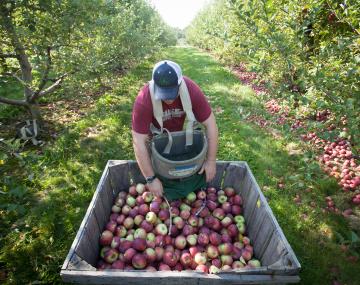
[(143, 159), (212, 134)]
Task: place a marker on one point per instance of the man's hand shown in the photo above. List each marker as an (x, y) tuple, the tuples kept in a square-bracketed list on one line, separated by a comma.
[(156, 187), (209, 167)]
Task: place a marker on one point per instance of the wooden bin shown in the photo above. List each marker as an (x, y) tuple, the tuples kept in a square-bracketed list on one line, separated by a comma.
[(279, 263)]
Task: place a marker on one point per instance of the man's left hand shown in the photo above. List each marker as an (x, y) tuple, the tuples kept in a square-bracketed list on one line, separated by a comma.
[(209, 167)]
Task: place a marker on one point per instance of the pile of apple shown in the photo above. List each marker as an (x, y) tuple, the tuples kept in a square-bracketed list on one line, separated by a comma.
[(204, 232)]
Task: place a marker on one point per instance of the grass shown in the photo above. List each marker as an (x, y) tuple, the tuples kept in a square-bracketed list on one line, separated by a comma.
[(45, 195)]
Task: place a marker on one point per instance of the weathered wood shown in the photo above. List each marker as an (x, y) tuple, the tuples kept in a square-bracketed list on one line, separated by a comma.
[(234, 174), (77, 263), (169, 277), (279, 263), (135, 173), (119, 175), (220, 171)]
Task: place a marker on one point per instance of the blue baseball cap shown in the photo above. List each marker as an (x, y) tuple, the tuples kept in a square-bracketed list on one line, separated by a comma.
[(167, 77)]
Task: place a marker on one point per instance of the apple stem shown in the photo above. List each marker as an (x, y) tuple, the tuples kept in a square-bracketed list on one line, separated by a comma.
[(167, 202)]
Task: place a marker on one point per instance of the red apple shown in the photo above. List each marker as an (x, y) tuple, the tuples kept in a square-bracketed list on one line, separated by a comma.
[(185, 259), (185, 214), (138, 219), (120, 219), (150, 255), (235, 210), (178, 222), (140, 233), (164, 267), (126, 210), (212, 251), (200, 258), (170, 258), (111, 255), (139, 200), (226, 207), (201, 195), (139, 244), (193, 250), (143, 209), (129, 223), (106, 237), (139, 261), (216, 262), (237, 200), (246, 255), (111, 226), (219, 213), (129, 254), (193, 221), (155, 207), (229, 191), (115, 243), (215, 238), (202, 267), (203, 239), (147, 196), (148, 227), (225, 248), (151, 217), (237, 264), (132, 190), (114, 216), (225, 222), (187, 230), (161, 229), (118, 264), (180, 242), (159, 253), (211, 190), (124, 245), (226, 260), (164, 214)]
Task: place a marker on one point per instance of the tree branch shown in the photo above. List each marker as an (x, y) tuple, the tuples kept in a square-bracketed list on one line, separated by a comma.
[(8, 55), (45, 78), (13, 101), (50, 89), (23, 83)]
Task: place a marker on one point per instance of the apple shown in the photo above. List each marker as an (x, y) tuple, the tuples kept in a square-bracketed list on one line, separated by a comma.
[(161, 229), (164, 267), (232, 230), (111, 226), (239, 219), (175, 211), (178, 267), (174, 232), (118, 264), (237, 264), (219, 213), (187, 230), (168, 240), (213, 269), (138, 219), (245, 240), (226, 238), (226, 267), (139, 244), (211, 190), (132, 190), (200, 258), (215, 238), (130, 237), (130, 201), (150, 255), (197, 204), (191, 197), (241, 227), (159, 251), (211, 205), (129, 253), (150, 268), (212, 251), (236, 210), (216, 226), (147, 196), (249, 248), (178, 222), (129, 223), (139, 200), (226, 206), (114, 216), (193, 221), (143, 209), (237, 200), (246, 255), (193, 250), (140, 233), (139, 261), (151, 217), (203, 239), (164, 214), (104, 250), (191, 239), (216, 262), (140, 188), (148, 227), (115, 243), (238, 245), (170, 258), (225, 248), (150, 237), (201, 195), (229, 191), (185, 214), (111, 255), (120, 219), (184, 207), (185, 259), (106, 237), (202, 268), (222, 199), (133, 212), (200, 222), (226, 259), (126, 210), (122, 194), (225, 222), (155, 207), (115, 209), (180, 242), (254, 263)]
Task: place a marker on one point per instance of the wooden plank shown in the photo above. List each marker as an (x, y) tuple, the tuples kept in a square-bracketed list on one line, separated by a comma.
[(77, 263), (295, 263), (119, 175), (107, 196), (135, 173), (256, 218), (246, 184), (249, 205), (100, 213), (220, 171), (256, 231), (235, 173), (85, 220), (171, 277), (86, 250)]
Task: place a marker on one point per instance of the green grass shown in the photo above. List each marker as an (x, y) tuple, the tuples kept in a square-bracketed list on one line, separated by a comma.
[(46, 195)]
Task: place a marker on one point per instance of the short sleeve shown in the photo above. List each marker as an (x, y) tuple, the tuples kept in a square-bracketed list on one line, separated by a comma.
[(142, 112)]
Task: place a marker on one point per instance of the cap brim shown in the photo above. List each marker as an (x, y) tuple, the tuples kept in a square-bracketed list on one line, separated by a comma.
[(166, 93)]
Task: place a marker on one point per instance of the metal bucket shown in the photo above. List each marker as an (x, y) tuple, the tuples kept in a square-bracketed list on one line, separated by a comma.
[(182, 161)]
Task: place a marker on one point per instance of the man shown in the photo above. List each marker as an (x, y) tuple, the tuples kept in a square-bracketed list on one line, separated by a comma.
[(166, 79)]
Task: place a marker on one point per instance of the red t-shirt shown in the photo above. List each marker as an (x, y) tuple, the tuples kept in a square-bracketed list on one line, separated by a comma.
[(173, 114)]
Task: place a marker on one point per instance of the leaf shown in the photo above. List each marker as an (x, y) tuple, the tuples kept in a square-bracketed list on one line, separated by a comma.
[(354, 237)]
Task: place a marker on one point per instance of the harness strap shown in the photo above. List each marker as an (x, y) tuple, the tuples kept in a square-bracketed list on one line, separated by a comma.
[(27, 134), (158, 114)]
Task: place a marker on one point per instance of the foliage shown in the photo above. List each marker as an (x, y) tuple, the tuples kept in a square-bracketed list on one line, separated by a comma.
[(44, 42), (307, 51)]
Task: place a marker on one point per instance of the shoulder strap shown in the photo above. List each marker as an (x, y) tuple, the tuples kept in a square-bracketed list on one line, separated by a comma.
[(157, 106), (187, 106)]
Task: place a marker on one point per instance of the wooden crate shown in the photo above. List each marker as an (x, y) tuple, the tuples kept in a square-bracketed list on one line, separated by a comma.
[(279, 263)]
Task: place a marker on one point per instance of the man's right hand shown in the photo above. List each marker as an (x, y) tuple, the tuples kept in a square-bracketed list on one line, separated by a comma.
[(156, 187)]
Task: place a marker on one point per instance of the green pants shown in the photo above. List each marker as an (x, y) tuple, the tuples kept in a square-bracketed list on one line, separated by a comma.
[(179, 188)]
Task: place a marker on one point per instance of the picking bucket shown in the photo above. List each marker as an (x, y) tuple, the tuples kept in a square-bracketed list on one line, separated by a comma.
[(182, 161)]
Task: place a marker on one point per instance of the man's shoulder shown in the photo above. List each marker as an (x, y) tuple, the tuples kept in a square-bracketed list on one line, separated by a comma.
[(144, 95)]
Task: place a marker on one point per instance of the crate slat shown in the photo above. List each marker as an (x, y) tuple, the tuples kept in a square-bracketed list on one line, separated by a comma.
[(135, 174), (235, 173), (77, 263), (220, 171), (119, 175)]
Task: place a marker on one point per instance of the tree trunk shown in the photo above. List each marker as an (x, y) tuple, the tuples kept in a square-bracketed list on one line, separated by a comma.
[(35, 111)]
